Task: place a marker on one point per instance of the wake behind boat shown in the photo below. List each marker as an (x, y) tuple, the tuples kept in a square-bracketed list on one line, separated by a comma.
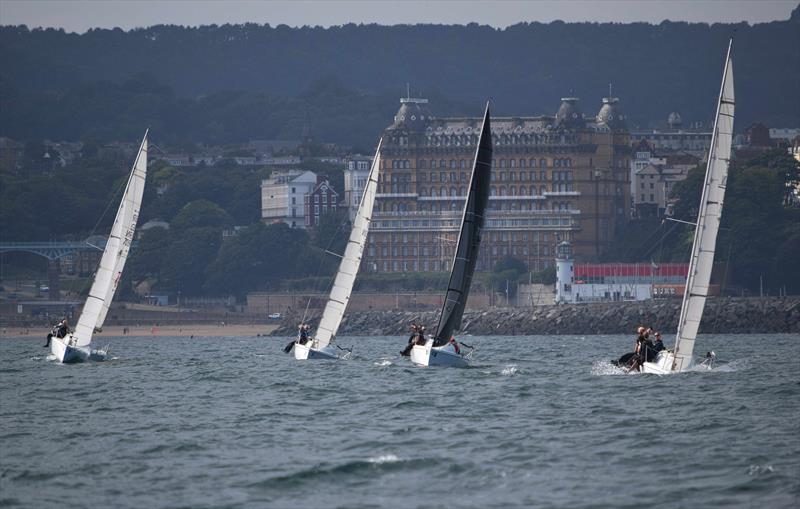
[(75, 346), (442, 349), (321, 346), (703, 247)]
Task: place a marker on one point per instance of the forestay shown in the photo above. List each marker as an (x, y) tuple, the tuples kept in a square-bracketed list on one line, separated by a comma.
[(708, 220), (348, 268), (469, 238), (116, 252)]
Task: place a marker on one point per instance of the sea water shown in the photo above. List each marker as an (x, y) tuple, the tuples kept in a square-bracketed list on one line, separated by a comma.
[(535, 422)]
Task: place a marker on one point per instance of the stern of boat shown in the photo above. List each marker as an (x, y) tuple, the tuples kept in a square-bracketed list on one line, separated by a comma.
[(429, 355), (661, 366), (66, 353), (310, 352)]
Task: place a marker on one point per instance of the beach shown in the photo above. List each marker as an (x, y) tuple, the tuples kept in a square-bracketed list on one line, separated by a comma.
[(186, 330)]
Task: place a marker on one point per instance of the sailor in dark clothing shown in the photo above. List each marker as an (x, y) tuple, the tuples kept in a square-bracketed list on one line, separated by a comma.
[(648, 351), (658, 345), (60, 331), (303, 337), (638, 356), (417, 338)]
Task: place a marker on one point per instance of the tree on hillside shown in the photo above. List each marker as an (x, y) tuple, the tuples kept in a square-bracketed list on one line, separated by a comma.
[(201, 214), (258, 256)]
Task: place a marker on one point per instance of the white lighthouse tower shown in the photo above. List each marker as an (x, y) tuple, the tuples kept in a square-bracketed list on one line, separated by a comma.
[(565, 276)]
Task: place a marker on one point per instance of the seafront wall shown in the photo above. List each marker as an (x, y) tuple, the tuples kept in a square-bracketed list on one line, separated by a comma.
[(722, 315)]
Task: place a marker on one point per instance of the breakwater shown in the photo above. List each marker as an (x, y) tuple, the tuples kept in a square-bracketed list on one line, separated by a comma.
[(732, 315)]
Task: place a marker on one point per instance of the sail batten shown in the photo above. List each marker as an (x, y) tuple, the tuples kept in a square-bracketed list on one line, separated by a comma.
[(708, 221), (469, 238), (115, 254), (351, 260)]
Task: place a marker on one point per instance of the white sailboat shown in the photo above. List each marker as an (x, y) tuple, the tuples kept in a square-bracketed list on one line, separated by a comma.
[(320, 347), (76, 346), (442, 349), (705, 235)]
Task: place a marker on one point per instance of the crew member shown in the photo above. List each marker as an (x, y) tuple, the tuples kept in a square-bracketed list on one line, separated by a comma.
[(658, 345), (417, 338)]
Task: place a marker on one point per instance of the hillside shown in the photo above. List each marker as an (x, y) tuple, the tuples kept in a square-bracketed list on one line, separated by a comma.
[(234, 82)]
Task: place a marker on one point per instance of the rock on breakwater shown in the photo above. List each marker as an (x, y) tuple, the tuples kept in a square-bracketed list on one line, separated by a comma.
[(722, 315)]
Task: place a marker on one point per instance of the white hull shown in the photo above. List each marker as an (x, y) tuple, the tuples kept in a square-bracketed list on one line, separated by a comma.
[(428, 355), (66, 353), (308, 352), (661, 366)]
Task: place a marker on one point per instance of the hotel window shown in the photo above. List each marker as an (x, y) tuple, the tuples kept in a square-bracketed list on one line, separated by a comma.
[(316, 209), (542, 163), (502, 163), (453, 163), (442, 176), (442, 163), (533, 176), (512, 163), (463, 163), (512, 176), (453, 177), (316, 198)]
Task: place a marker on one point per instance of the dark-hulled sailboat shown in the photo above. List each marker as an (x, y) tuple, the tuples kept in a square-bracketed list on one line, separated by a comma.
[(442, 349)]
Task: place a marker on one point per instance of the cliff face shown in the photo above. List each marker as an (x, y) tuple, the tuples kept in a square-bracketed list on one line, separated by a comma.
[(724, 315)]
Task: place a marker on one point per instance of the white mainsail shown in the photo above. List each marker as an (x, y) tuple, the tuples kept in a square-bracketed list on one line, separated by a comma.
[(348, 268), (116, 252), (708, 220)]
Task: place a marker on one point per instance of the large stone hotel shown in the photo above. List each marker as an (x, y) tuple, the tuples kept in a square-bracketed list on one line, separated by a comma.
[(554, 178)]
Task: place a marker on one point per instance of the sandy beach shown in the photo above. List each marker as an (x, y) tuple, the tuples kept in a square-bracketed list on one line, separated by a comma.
[(166, 330)]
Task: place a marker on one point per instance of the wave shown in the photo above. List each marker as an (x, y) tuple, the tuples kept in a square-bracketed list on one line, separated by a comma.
[(604, 367), (357, 469), (509, 370)]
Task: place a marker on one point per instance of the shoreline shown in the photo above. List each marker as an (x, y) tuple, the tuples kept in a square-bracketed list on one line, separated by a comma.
[(185, 330)]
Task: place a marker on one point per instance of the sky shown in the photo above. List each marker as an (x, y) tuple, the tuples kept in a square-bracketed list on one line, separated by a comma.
[(80, 15)]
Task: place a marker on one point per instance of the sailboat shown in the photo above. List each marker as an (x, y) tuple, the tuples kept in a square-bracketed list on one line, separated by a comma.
[(321, 347), (441, 349), (76, 346), (705, 235)]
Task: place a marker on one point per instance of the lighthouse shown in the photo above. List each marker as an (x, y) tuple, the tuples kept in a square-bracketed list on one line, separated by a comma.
[(564, 273)]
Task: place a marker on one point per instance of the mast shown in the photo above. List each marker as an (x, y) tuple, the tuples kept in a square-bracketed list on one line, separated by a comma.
[(115, 253), (469, 238), (708, 221), (351, 261)]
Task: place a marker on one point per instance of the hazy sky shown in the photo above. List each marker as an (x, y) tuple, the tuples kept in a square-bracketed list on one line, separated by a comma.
[(79, 15)]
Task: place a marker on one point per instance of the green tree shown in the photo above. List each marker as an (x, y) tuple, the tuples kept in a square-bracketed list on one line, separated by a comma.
[(201, 214), (259, 256)]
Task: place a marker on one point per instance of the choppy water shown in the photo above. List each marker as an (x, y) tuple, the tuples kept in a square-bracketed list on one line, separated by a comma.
[(536, 422)]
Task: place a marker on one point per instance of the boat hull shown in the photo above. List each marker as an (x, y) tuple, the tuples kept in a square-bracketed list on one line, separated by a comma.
[(428, 355), (69, 354), (308, 352)]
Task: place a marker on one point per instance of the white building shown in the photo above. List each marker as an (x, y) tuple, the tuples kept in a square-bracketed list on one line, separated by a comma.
[(356, 172), (653, 177), (587, 282), (784, 134), (282, 197)]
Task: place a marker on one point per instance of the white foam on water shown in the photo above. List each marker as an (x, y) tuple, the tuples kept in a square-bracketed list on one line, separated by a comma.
[(383, 362), (604, 367), (384, 458), (755, 470), (509, 370)]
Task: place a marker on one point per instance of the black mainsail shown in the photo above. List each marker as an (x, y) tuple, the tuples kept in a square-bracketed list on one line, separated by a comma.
[(469, 239)]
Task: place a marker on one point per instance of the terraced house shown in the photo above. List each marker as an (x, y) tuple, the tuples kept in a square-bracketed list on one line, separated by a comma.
[(561, 177)]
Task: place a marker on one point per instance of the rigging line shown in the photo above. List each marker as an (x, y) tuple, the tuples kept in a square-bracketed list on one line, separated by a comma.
[(316, 286)]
